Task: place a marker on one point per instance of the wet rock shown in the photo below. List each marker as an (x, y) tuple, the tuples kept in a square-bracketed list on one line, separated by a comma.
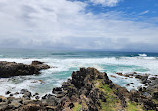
[(118, 73), (142, 77), (8, 92), (16, 93), (127, 84), (152, 78), (11, 95), (35, 94), (26, 93), (113, 76), (57, 90), (37, 97), (23, 91)]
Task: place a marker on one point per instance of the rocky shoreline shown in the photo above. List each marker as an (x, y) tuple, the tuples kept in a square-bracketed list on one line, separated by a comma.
[(11, 69), (88, 90)]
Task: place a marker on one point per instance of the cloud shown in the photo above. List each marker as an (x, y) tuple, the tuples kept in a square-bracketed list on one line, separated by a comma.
[(145, 12), (66, 24), (109, 3)]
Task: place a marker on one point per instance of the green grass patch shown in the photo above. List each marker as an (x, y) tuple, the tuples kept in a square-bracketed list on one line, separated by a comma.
[(133, 107), (106, 106), (77, 107)]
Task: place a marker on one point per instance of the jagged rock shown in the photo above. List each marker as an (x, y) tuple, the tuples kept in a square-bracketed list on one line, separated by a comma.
[(136, 96)]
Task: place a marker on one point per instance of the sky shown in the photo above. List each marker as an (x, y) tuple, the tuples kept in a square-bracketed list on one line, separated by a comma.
[(116, 25)]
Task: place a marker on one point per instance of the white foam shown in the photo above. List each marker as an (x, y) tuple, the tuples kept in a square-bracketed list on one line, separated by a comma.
[(142, 55)]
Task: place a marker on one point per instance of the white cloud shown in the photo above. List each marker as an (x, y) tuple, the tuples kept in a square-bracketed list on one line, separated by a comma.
[(109, 3), (64, 24), (145, 12)]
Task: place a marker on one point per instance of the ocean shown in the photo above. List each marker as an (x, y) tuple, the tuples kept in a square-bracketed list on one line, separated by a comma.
[(67, 61)]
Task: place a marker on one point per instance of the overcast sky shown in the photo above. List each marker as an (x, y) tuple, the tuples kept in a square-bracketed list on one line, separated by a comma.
[(79, 24)]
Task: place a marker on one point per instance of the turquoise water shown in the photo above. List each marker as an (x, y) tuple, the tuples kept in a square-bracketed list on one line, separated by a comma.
[(68, 61)]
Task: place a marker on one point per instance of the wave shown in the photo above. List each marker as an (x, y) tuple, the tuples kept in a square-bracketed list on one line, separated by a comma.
[(142, 55)]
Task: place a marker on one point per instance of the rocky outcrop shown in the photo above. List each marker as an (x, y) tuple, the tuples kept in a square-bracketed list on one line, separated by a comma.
[(10, 69), (88, 90)]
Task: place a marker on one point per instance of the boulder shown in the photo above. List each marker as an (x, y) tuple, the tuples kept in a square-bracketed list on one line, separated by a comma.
[(10, 69)]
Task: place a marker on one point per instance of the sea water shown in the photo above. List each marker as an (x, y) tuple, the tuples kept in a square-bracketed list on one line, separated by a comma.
[(64, 62)]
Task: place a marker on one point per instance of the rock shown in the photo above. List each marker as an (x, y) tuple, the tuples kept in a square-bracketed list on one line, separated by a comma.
[(155, 95), (146, 81), (71, 105), (127, 84), (8, 92), (10, 69), (152, 78), (1, 100), (26, 93), (4, 99), (35, 94), (50, 100), (37, 97), (144, 98), (57, 90), (142, 77), (11, 95), (36, 62), (41, 81), (113, 76), (16, 103), (23, 91), (118, 73), (16, 93), (39, 65)]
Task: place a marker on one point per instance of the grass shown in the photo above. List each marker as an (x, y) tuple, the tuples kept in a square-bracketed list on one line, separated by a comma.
[(133, 107), (111, 101), (77, 107)]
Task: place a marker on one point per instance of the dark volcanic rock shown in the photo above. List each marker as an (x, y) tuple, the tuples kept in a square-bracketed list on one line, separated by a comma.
[(8, 92), (10, 69), (39, 65)]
